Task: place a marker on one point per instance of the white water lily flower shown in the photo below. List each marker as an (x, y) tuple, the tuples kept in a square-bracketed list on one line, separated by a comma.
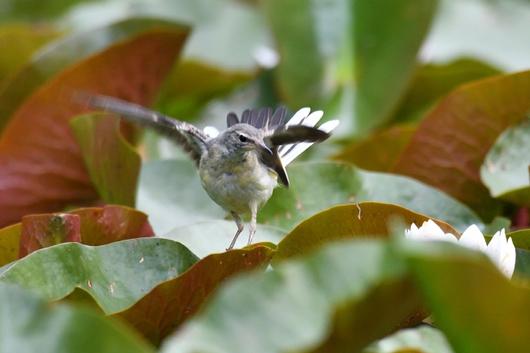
[(500, 250), (429, 231)]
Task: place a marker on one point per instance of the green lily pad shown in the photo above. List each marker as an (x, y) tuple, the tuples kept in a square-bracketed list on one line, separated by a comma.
[(343, 295), (116, 275), (137, 54), (450, 144), (112, 163), (28, 324), (170, 192), (506, 168), (346, 221), (207, 237), (460, 287), (316, 186), (170, 303)]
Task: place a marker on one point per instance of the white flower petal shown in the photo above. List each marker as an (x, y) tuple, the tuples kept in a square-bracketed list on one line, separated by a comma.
[(508, 259), (473, 238), (497, 246), (429, 230)]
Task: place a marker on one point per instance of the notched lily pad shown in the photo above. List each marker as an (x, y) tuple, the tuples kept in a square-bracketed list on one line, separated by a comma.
[(366, 219), (116, 275), (364, 293), (169, 304)]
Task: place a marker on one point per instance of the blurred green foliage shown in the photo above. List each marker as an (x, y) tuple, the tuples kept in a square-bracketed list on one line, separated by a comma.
[(433, 99)]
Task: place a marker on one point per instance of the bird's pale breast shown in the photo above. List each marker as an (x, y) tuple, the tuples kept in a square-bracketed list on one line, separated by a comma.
[(236, 185)]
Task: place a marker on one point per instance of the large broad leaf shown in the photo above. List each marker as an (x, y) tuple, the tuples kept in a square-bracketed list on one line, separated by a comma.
[(43, 168), (300, 38), (450, 144), (171, 193), (433, 81), (380, 151), (208, 237), (170, 303), (116, 275), (316, 186), (506, 168), (91, 226), (112, 163), (348, 221), (212, 63), (476, 307), (338, 299), (387, 36), (465, 28), (28, 324), (379, 39), (9, 243)]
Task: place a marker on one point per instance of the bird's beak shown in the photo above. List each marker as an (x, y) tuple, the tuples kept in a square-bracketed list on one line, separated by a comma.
[(261, 145)]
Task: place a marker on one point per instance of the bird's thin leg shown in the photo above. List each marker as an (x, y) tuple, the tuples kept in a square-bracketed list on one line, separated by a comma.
[(252, 224), (240, 228)]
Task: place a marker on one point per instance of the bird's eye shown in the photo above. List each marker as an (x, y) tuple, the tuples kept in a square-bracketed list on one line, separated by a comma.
[(243, 138)]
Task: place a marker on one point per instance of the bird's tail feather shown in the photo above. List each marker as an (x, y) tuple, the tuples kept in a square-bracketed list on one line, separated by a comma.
[(289, 153)]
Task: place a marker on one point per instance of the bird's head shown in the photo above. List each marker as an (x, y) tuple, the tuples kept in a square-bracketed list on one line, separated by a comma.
[(244, 138)]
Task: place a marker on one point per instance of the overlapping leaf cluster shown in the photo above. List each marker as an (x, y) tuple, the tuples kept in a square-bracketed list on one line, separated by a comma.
[(112, 226)]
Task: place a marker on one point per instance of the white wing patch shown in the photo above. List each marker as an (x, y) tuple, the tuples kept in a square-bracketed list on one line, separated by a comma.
[(288, 153), (211, 131)]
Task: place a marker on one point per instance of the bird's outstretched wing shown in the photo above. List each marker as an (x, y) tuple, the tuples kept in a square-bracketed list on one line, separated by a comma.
[(286, 139), (187, 136)]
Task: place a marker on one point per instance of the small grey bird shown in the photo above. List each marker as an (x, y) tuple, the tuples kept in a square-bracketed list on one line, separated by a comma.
[(240, 166)]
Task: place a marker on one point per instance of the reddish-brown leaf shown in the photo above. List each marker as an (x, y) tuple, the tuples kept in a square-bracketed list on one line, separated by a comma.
[(169, 304), (112, 223), (449, 146), (43, 230), (380, 151), (91, 226), (42, 168), (346, 222)]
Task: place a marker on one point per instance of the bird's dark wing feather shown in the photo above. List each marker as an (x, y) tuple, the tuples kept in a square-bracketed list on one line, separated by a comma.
[(274, 162), (188, 137), (260, 118), (286, 135)]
